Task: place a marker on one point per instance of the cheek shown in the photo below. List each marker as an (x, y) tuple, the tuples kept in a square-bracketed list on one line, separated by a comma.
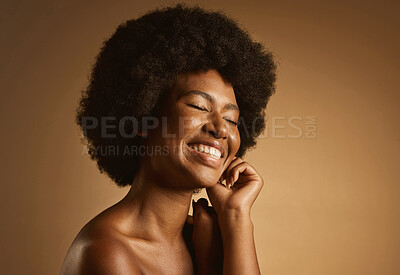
[(234, 141), (183, 123), (175, 129)]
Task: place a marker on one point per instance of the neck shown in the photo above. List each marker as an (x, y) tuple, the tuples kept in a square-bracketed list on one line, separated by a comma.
[(156, 212)]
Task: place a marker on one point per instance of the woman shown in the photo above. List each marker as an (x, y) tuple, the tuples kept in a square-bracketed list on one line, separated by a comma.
[(176, 97)]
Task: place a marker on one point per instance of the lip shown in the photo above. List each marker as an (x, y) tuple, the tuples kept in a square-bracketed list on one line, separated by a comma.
[(211, 143), (205, 158)]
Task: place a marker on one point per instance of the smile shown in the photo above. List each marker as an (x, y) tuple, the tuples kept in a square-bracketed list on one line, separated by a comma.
[(208, 150), (205, 154)]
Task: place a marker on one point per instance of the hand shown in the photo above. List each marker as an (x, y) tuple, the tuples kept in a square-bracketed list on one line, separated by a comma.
[(206, 239), (243, 184)]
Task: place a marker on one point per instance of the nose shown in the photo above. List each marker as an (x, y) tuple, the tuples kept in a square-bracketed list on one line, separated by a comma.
[(216, 127)]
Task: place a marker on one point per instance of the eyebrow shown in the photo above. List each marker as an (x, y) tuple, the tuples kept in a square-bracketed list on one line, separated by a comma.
[(228, 106)]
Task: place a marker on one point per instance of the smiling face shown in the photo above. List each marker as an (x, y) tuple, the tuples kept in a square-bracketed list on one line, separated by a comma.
[(200, 133)]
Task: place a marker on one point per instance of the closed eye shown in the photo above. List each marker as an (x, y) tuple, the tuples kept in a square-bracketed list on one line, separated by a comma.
[(197, 107), (231, 121)]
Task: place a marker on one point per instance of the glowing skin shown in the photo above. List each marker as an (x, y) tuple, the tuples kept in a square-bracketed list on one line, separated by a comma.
[(147, 224), (201, 110)]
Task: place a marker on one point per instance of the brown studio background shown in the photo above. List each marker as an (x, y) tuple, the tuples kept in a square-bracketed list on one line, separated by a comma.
[(330, 204)]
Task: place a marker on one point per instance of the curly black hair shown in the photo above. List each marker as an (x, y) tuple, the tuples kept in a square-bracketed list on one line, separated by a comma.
[(141, 61)]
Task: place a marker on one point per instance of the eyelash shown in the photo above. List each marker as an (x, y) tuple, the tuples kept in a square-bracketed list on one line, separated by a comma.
[(204, 109), (233, 122), (198, 107)]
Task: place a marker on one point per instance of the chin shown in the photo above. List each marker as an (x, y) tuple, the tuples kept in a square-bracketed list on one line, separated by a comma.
[(205, 182), (200, 175)]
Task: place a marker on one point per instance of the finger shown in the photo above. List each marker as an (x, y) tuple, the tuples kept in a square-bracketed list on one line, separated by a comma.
[(251, 181), (237, 170), (228, 171), (242, 168), (216, 192), (233, 163)]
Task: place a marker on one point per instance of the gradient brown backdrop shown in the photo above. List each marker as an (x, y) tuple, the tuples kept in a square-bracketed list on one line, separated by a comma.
[(330, 204)]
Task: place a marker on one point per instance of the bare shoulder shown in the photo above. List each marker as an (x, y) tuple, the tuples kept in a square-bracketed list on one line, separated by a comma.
[(99, 249)]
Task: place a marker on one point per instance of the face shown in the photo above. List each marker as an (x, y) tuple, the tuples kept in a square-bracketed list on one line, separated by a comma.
[(200, 136)]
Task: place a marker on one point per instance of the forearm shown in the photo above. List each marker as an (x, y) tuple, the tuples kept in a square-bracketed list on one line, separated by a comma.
[(238, 243)]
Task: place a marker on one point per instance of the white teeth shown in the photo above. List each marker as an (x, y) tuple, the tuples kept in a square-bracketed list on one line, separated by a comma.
[(213, 152)]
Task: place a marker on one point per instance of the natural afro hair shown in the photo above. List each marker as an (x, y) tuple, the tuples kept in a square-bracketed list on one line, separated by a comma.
[(141, 61)]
